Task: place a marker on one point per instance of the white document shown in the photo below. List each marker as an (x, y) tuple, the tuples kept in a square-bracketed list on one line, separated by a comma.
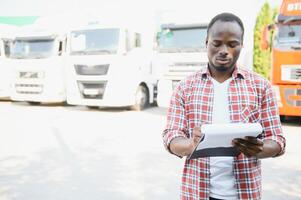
[(221, 135)]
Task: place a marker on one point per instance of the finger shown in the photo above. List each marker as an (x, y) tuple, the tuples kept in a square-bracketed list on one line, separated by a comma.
[(196, 134), (196, 138), (253, 140), (247, 145), (197, 128), (197, 131), (246, 152), (251, 150), (243, 150), (250, 142)]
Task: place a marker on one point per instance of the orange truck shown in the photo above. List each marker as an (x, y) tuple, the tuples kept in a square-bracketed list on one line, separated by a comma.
[(286, 57)]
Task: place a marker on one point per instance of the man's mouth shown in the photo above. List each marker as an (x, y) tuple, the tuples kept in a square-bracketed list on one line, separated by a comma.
[(223, 61)]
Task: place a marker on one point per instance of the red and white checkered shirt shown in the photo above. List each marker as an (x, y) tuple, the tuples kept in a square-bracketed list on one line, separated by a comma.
[(251, 100)]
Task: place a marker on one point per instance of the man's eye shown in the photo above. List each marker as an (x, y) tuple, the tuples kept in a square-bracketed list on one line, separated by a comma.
[(233, 44), (216, 44)]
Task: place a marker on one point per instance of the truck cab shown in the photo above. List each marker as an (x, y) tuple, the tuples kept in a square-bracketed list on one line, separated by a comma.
[(5, 70), (180, 52), (37, 59), (108, 67), (286, 57)]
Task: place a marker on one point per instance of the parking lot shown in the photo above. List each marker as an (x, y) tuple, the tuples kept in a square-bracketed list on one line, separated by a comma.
[(56, 152)]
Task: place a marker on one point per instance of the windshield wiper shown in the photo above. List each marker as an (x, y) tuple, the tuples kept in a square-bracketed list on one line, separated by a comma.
[(289, 20)]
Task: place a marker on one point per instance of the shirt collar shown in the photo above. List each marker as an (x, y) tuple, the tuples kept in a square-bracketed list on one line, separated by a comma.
[(237, 73)]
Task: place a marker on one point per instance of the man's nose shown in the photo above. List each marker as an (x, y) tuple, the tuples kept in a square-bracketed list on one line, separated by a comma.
[(223, 50)]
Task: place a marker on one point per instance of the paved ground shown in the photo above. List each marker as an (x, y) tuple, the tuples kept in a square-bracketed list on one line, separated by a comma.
[(73, 153)]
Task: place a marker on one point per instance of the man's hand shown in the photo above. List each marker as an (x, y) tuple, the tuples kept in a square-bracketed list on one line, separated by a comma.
[(184, 147), (196, 137), (249, 146)]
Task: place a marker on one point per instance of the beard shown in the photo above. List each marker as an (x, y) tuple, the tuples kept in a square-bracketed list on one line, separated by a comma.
[(221, 68)]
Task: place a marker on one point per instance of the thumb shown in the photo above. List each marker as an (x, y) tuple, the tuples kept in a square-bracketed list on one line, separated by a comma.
[(197, 132)]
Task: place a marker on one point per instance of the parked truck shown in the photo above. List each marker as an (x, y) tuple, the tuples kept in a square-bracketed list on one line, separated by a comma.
[(181, 50), (108, 67), (36, 56), (286, 57), (5, 70)]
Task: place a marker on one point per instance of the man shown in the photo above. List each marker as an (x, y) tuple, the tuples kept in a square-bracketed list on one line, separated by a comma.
[(223, 93)]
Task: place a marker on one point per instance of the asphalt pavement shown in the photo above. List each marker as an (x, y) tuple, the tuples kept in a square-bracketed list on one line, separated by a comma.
[(73, 153)]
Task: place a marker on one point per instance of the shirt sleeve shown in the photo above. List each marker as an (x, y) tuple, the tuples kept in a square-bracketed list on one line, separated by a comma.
[(176, 121), (270, 119)]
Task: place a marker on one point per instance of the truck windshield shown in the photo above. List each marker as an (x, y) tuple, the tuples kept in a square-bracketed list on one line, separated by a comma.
[(288, 35), (28, 49), (96, 41), (182, 40)]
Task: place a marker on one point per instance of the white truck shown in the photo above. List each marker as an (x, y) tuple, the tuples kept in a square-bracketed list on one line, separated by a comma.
[(5, 71), (180, 51), (108, 67), (37, 59)]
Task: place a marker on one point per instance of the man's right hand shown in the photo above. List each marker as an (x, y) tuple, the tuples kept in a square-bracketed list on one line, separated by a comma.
[(185, 146), (196, 137)]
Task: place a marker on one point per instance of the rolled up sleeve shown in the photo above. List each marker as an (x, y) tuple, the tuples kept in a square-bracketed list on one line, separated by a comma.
[(270, 119), (176, 122)]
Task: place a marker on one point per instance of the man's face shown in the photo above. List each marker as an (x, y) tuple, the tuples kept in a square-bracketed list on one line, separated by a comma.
[(224, 42)]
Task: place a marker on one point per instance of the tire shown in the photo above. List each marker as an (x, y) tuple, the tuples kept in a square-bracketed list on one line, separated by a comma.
[(141, 98), (93, 107), (34, 103), (282, 118)]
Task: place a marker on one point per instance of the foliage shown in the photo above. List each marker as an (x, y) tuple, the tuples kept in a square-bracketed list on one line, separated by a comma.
[(262, 58)]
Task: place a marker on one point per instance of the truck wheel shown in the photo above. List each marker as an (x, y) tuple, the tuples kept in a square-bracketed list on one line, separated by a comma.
[(282, 118), (34, 103), (141, 98), (93, 107)]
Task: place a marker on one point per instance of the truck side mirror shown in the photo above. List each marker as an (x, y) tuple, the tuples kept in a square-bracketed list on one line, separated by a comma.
[(60, 48), (264, 40), (156, 40)]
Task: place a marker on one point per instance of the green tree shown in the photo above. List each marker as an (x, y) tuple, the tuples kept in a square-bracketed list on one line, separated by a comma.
[(262, 58)]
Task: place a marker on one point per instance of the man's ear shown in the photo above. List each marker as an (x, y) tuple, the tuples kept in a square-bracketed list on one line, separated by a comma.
[(206, 41)]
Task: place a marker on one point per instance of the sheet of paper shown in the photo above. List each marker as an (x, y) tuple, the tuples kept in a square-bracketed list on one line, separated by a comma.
[(221, 135)]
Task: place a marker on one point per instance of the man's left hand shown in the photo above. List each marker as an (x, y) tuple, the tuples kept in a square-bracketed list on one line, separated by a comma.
[(249, 146)]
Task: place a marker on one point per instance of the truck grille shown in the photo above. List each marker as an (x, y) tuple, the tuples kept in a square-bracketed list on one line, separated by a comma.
[(291, 73), (29, 88), (91, 70), (179, 70), (296, 74), (31, 75), (92, 89), (294, 92)]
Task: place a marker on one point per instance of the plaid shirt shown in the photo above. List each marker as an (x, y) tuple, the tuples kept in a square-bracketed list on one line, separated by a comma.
[(251, 99)]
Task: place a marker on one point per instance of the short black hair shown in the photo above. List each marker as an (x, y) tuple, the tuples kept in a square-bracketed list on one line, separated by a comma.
[(226, 17)]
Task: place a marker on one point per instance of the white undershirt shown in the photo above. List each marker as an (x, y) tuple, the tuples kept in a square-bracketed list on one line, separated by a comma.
[(222, 180)]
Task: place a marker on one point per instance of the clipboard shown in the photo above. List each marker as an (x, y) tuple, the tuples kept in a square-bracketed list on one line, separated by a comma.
[(217, 138)]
